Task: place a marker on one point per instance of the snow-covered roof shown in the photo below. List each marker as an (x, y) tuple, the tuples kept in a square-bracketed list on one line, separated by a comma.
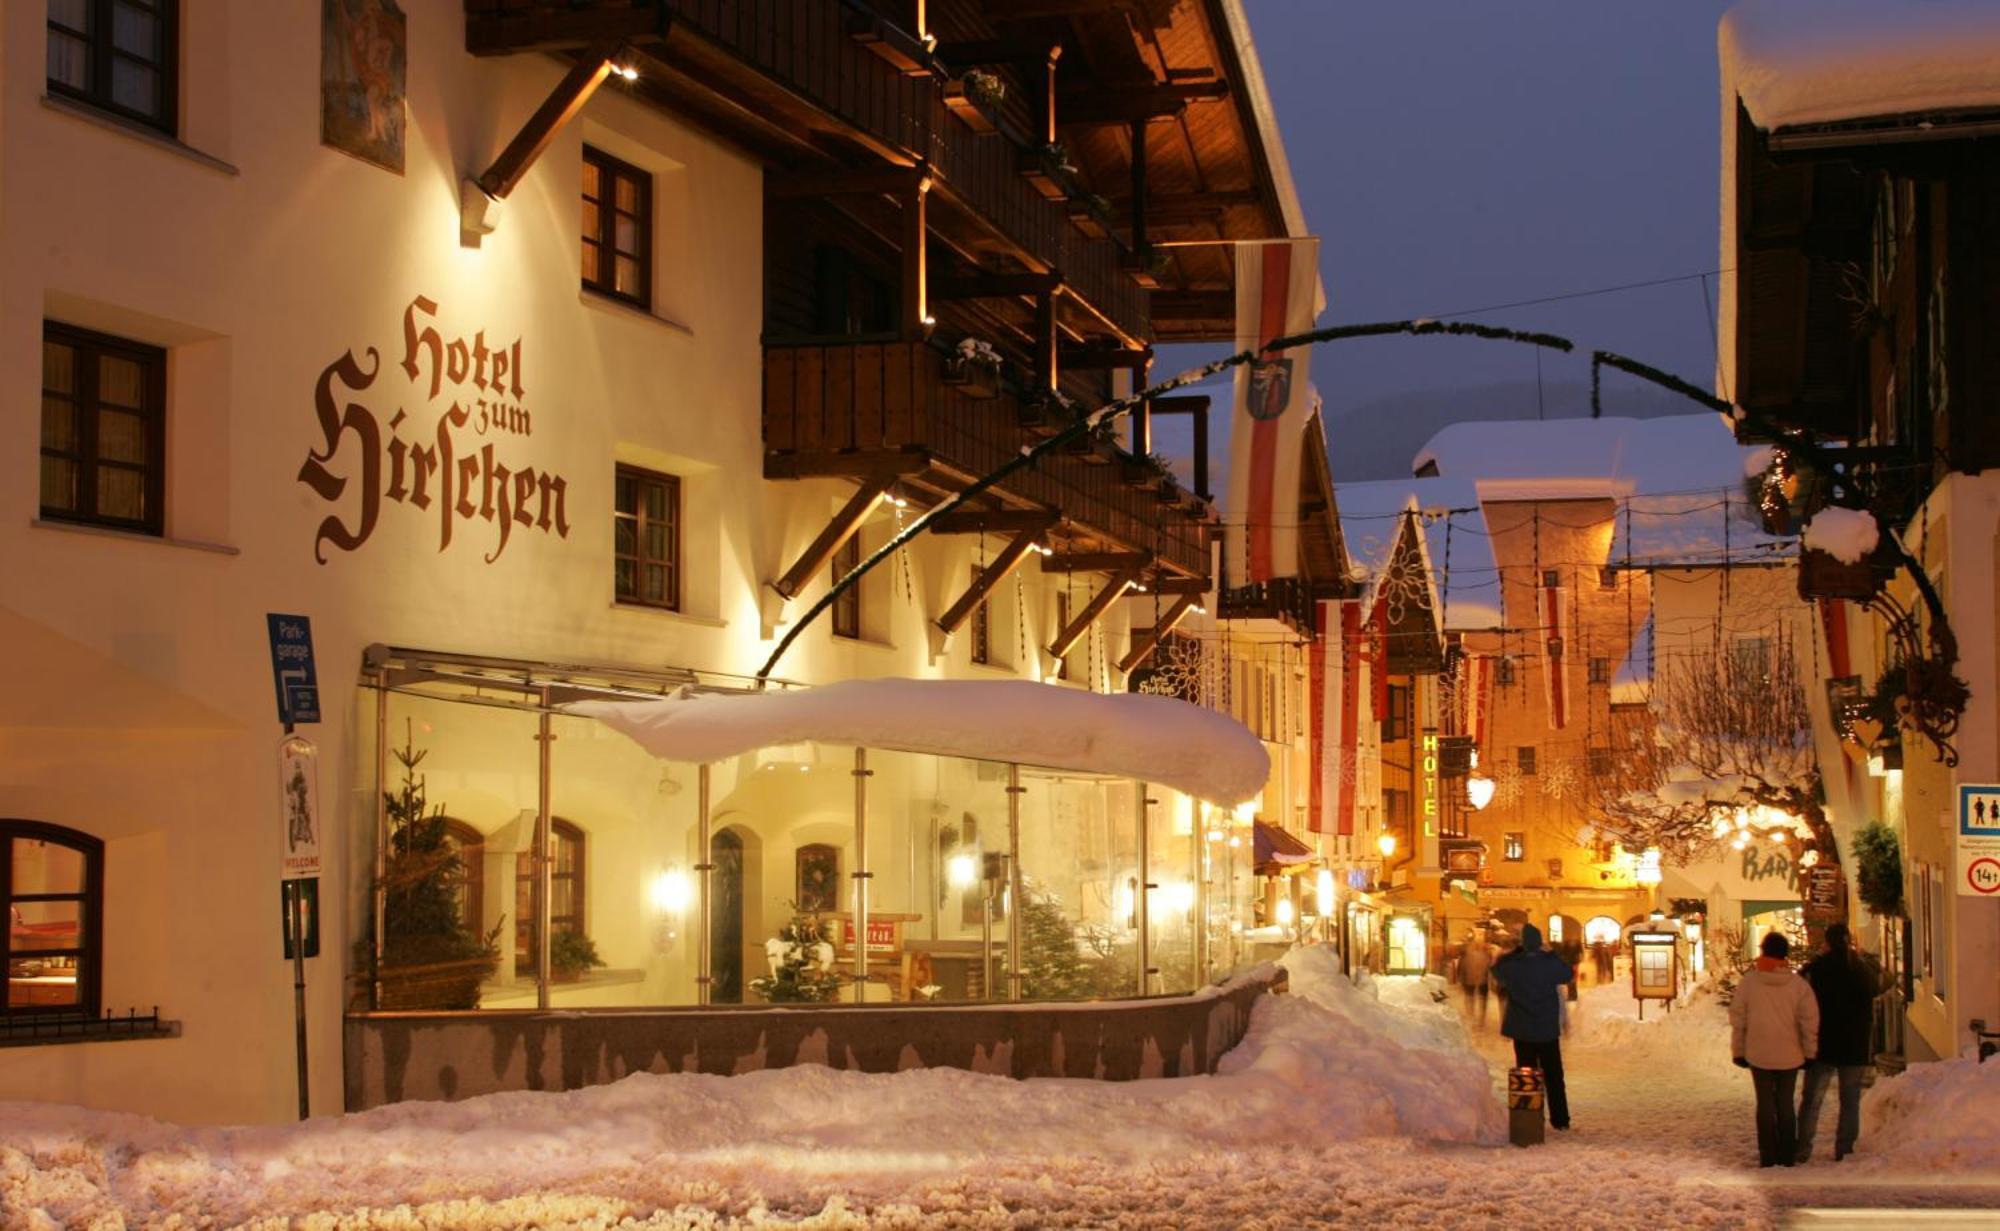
[(1821, 61), (1131, 735), (1461, 564)]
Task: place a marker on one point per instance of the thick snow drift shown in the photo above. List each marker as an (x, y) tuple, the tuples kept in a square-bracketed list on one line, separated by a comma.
[(1328, 1063), (1820, 61), (1131, 735), (1937, 1116)]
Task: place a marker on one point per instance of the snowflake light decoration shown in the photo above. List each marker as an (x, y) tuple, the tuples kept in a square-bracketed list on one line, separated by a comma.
[(1559, 779), (1182, 668), (1508, 785)]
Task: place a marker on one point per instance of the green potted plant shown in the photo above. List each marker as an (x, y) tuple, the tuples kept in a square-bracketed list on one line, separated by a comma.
[(430, 958), (973, 368), (571, 955), (801, 960), (1878, 869), (975, 98)]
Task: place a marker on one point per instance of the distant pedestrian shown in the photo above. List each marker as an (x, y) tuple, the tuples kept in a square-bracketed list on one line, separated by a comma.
[(1606, 968), (1475, 969), (1774, 1031), (1845, 991), (1533, 979)]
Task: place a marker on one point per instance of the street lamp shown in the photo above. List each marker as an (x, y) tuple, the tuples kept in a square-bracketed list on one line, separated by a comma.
[(1386, 844)]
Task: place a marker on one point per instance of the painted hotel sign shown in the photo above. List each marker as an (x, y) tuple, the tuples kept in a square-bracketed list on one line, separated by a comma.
[(436, 443)]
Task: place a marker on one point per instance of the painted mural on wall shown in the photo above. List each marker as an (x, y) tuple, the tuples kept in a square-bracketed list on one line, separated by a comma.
[(435, 443), (362, 60)]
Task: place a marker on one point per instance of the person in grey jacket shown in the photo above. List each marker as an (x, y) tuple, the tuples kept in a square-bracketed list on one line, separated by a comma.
[(1533, 978), (1773, 1032)]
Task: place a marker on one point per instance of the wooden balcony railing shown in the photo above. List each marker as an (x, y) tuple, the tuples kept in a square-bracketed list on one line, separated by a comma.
[(850, 407), (804, 46)]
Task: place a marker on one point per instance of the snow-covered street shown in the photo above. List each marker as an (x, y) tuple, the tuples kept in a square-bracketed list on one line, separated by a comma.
[(1368, 1106)]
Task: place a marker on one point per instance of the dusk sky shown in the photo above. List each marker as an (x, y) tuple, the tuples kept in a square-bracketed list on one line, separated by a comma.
[(1460, 155)]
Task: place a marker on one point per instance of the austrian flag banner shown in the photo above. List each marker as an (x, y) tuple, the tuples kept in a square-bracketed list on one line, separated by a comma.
[(1556, 632), (1475, 694), (1276, 285)]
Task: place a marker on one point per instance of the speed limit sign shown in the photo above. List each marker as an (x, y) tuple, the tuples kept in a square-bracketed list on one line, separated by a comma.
[(1983, 875)]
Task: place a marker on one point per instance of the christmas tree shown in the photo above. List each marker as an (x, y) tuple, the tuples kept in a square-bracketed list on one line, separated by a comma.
[(801, 963)]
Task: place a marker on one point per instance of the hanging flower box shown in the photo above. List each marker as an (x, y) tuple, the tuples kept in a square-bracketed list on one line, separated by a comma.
[(1822, 575), (973, 369), (974, 98), (1168, 492), (1042, 416), (1048, 170), (1142, 472)]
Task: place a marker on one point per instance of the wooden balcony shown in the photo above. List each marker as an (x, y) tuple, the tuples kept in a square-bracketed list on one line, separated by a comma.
[(872, 409)]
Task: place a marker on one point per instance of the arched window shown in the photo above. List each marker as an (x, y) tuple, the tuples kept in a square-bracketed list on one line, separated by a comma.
[(471, 847), (52, 892), (566, 889)]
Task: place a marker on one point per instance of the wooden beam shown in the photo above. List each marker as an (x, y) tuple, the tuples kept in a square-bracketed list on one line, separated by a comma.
[(845, 182), (855, 464), (1161, 201), (1097, 357), (1196, 586), (1138, 207), (996, 521), (996, 286), (1137, 104), (901, 49), (1194, 305), (562, 104), (1099, 603), (993, 574), (1025, 10), (915, 242), (1048, 343), (1096, 562), (837, 532), (975, 53), (516, 33), (1146, 641), (1181, 404)]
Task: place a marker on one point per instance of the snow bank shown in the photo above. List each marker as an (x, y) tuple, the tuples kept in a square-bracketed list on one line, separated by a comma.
[(1328, 1063), (1132, 735), (1847, 535), (1820, 61), (1933, 1116), (1694, 1035)]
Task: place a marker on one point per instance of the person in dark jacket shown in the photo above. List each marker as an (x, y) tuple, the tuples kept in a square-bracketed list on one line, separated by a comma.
[(1533, 979), (1845, 990)]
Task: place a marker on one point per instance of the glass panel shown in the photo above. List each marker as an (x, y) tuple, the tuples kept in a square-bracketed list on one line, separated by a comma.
[(69, 61), (590, 184), (656, 584), (656, 541), (72, 13), (656, 501), (627, 574), (628, 194), (627, 537), (590, 263), (120, 381), (38, 927), (42, 982), (58, 425), (121, 437), (58, 367), (626, 235), (47, 867), (59, 484), (628, 276), (626, 498), (591, 222), (135, 87), (121, 493), (135, 30), (1079, 877), (1172, 852)]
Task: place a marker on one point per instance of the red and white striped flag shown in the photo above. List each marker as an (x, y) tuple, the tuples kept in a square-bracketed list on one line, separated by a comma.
[(1347, 740), (1475, 687), (1555, 622), (1323, 672), (1276, 289)]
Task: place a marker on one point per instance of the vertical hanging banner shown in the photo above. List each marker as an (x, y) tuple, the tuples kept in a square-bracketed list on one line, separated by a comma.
[(1555, 624), (1347, 741), (1476, 696), (1276, 288), (1323, 677)]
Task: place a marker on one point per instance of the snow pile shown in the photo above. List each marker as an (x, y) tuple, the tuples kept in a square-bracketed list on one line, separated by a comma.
[(1848, 535), (1695, 1034), (1821, 61), (1329, 1063), (1133, 735), (1936, 1116)]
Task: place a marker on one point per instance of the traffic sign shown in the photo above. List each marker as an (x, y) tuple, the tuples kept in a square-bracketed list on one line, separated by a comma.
[(292, 668), (1979, 840)]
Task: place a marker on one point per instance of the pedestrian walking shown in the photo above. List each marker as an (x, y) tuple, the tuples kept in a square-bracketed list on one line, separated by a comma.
[(1533, 978), (1844, 990), (1475, 969), (1773, 1032)]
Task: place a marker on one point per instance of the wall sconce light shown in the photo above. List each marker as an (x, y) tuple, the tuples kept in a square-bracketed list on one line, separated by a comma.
[(671, 892), (1386, 844), (1285, 913), (962, 870), (1325, 892)]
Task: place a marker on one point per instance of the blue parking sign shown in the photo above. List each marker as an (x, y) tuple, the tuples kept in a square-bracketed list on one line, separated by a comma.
[(292, 668)]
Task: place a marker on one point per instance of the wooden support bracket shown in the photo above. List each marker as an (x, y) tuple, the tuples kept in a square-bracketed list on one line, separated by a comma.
[(1145, 642), (597, 62), (1096, 562), (993, 574), (837, 532), (996, 521), (1099, 604)]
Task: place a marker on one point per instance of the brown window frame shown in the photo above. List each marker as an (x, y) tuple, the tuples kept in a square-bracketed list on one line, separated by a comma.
[(90, 347), (847, 613), (1396, 722), (102, 50), (560, 832), (88, 952), (1514, 846), (638, 558), (1599, 670), (1524, 760), (610, 171)]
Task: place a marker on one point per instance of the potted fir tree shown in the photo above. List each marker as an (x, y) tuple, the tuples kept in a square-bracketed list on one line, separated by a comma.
[(801, 961), (571, 955)]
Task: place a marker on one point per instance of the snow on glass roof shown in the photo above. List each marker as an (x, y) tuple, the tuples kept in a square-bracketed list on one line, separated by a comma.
[(1822, 61), (1155, 739)]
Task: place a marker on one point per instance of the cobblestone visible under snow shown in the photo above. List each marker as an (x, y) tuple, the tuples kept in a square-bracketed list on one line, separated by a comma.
[(1368, 1106)]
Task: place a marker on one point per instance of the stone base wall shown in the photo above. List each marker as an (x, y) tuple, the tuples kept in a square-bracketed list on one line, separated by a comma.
[(391, 1057)]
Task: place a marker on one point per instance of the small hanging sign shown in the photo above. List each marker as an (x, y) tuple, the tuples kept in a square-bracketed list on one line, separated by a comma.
[(298, 792)]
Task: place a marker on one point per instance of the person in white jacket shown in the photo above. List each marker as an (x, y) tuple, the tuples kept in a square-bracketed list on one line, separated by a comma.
[(1774, 1031)]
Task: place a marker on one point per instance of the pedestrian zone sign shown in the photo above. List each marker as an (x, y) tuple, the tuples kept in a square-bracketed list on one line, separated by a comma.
[(1979, 840)]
